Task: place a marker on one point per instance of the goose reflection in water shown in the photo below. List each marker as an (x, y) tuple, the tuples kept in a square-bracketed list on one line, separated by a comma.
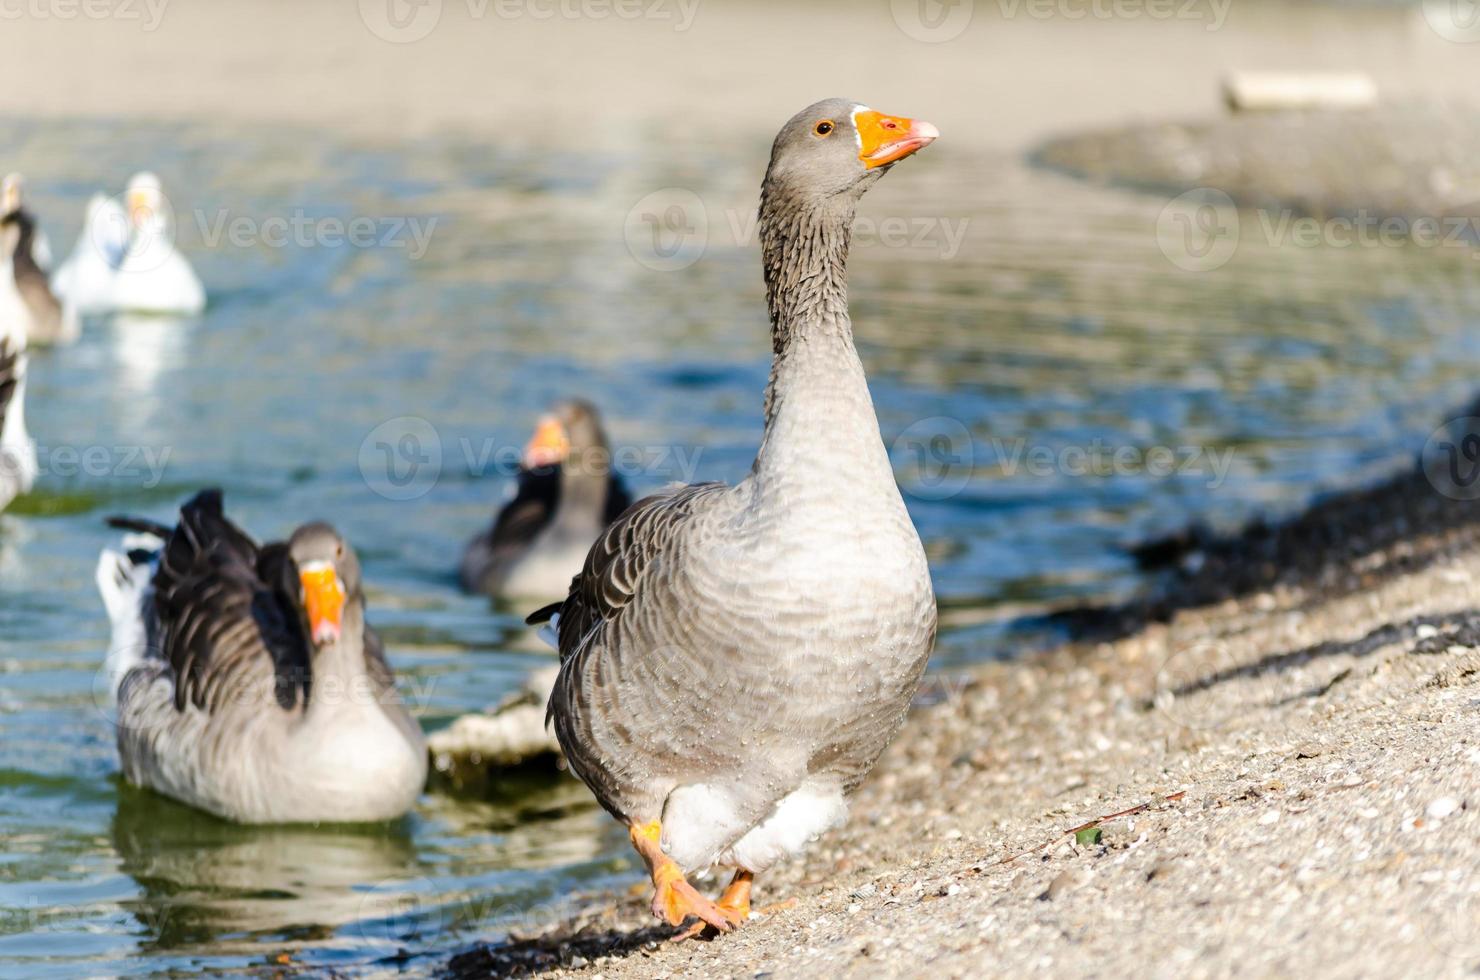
[(204, 880), (147, 349)]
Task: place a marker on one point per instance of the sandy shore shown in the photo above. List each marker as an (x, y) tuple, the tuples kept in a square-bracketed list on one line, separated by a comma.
[(1301, 764)]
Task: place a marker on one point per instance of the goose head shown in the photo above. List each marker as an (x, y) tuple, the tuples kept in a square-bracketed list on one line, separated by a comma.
[(570, 432), (144, 200), (838, 147), (10, 193), (328, 578)]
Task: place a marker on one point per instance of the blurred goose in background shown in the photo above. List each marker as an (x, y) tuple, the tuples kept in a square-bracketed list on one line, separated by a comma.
[(154, 278), (17, 452), (245, 678), (12, 190), (566, 494), (85, 281), (42, 316), (733, 660)]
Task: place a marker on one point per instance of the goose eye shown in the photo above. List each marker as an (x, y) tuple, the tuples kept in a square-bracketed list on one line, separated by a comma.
[(823, 128)]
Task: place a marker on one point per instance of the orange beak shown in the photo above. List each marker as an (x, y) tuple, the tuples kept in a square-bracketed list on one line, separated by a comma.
[(549, 444), (885, 139), (323, 600)]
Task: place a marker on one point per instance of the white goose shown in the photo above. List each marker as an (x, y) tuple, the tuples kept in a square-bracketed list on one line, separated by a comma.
[(17, 452), (154, 278), (85, 281)]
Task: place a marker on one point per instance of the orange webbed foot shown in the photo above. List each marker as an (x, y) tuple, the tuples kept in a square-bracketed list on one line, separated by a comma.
[(674, 899)]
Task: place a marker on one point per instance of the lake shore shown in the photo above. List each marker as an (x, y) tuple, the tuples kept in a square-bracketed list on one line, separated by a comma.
[(1283, 778)]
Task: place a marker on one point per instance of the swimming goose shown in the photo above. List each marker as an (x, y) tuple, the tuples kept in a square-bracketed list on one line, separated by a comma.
[(85, 281), (17, 452), (245, 678), (41, 314), (735, 659), (154, 278), (566, 495), (12, 190)]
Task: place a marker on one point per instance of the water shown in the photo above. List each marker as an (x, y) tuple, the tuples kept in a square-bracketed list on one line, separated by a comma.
[(1056, 323)]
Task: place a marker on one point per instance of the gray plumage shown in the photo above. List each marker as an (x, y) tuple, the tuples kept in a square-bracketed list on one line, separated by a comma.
[(43, 318), (540, 538), (735, 659), (225, 700)]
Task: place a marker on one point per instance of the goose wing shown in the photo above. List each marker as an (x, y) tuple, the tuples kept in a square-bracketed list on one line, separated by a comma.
[(222, 616), (523, 518), (648, 535)]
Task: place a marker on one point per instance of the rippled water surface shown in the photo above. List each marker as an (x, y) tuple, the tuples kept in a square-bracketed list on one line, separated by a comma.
[(1018, 328)]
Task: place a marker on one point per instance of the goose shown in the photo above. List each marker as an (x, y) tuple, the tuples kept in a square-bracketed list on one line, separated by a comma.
[(18, 465), (42, 316), (566, 493), (734, 659), (85, 281), (12, 190), (245, 680), (154, 278)]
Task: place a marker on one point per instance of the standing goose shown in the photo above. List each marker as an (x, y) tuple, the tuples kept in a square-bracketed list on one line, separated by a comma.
[(17, 452), (735, 659), (154, 278), (41, 314), (246, 680), (566, 495)]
